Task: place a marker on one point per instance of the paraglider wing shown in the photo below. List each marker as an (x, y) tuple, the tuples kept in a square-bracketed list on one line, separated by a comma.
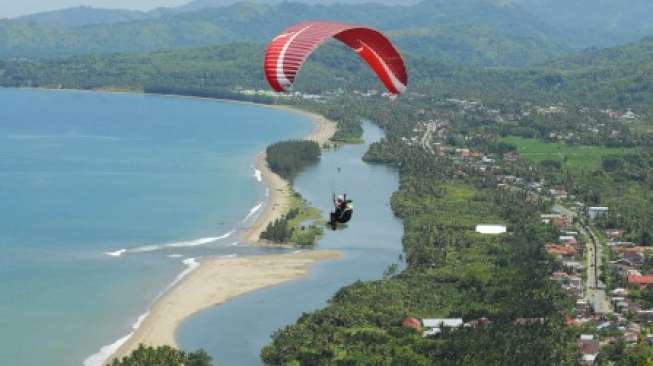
[(288, 51)]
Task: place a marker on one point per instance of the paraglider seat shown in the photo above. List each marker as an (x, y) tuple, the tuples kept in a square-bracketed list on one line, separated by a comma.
[(341, 216), (345, 217)]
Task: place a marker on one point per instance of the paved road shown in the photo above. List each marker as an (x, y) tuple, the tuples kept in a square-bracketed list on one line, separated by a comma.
[(595, 287), (595, 293), (426, 139)]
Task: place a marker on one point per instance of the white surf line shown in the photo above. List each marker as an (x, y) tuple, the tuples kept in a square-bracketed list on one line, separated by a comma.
[(258, 175), (253, 211), (117, 253), (102, 356), (180, 244)]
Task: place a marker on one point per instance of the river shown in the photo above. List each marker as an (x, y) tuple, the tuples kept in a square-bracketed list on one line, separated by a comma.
[(234, 333)]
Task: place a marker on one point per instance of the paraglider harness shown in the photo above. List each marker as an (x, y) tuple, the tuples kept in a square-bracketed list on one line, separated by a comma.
[(343, 211)]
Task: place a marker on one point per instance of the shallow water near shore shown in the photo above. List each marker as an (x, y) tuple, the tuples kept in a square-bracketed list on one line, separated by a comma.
[(104, 201), (235, 332)]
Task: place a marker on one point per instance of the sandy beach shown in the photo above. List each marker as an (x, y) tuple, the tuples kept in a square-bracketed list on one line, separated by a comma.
[(213, 283), (217, 280), (279, 189), (324, 127)]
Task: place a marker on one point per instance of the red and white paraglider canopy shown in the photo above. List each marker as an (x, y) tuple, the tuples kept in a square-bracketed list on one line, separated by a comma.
[(288, 51)]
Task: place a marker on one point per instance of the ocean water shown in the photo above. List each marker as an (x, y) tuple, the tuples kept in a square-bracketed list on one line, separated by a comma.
[(107, 199), (235, 332)]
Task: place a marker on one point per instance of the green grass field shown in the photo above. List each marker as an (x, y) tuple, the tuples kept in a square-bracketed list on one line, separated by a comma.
[(305, 234), (573, 156)]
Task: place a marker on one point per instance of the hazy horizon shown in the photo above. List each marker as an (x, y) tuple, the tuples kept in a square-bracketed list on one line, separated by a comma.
[(29, 7), (26, 7)]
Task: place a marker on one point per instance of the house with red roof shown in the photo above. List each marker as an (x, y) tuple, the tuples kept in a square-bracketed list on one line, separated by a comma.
[(560, 250), (411, 322), (642, 281)]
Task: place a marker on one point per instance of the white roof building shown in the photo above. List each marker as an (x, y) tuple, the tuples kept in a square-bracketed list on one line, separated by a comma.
[(442, 323), (594, 212), (491, 229)]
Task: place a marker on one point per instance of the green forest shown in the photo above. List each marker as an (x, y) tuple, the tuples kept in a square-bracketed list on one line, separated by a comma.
[(617, 78), (168, 356), (288, 158), (302, 225)]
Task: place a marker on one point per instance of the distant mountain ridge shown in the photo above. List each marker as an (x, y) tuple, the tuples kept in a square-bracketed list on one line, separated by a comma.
[(203, 4), (599, 23), (81, 16), (87, 15), (476, 32), (579, 23)]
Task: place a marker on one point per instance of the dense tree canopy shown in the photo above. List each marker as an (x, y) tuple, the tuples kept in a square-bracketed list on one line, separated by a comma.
[(287, 158), (163, 356)]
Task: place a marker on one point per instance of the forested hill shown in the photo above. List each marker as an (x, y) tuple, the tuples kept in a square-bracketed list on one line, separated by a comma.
[(631, 54), (81, 16), (599, 23), (468, 32), (86, 15), (226, 67), (473, 32), (619, 77)]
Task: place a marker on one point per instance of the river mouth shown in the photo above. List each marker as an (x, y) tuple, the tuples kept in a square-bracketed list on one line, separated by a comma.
[(234, 333)]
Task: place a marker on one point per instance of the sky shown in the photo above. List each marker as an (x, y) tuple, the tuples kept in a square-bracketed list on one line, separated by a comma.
[(14, 8)]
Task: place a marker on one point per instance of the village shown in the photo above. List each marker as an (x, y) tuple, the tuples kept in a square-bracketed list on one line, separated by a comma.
[(610, 280)]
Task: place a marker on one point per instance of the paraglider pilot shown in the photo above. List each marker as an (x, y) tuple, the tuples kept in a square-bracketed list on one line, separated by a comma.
[(343, 211)]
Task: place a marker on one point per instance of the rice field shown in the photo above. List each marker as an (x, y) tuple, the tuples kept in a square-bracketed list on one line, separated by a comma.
[(572, 156)]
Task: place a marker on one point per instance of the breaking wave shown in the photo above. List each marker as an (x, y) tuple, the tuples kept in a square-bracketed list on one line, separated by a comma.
[(253, 211), (101, 357), (258, 175), (117, 253), (179, 244)]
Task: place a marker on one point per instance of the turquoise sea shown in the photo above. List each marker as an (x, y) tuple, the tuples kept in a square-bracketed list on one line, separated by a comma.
[(106, 199)]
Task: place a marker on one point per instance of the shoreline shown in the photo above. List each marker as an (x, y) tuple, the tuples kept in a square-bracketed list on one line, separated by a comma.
[(212, 283), (279, 190), (215, 281)]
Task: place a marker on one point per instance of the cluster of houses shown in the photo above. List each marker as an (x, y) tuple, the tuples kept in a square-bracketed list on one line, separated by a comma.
[(375, 93), (629, 115), (630, 267), (611, 125), (437, 126), (589, 345), (554, 109), (270, 93), (466, 105), (621, 116), (569, 251), (589, 348), (473, 159)]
